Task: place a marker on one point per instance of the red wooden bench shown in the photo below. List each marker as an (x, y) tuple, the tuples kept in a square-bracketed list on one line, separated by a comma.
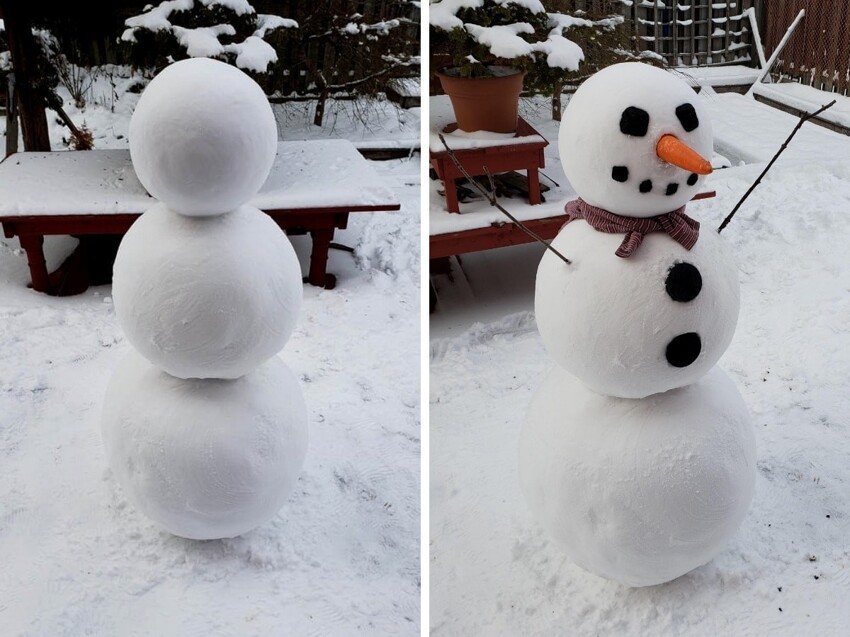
[(312, 188)]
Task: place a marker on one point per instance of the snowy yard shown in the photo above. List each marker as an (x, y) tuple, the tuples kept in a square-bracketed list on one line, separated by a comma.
[(342, 556), (494, 570)]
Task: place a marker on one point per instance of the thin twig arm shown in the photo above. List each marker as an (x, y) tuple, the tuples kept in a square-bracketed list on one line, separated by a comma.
[(805, 117)]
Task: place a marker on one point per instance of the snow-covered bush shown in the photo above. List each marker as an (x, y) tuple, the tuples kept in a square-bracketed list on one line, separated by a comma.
[(228, 30), (549, 39)]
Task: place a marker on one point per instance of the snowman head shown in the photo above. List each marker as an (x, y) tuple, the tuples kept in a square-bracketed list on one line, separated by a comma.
[(635, 140), (203, 137)]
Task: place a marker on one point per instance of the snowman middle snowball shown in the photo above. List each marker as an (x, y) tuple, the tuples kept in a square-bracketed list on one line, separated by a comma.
[(662, 317)]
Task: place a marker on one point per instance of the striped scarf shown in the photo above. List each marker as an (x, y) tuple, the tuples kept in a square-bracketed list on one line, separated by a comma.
[(677, 224)]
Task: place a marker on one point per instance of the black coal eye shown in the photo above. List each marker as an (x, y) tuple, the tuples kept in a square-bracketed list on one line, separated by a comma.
[(634, 121), (620, 173), (687, 117)]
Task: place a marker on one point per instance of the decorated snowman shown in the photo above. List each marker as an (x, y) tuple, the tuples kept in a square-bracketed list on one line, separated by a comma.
[(204, 426), (637, 452)]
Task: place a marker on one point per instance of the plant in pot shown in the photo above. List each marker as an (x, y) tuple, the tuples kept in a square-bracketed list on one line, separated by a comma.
[(487, 47)]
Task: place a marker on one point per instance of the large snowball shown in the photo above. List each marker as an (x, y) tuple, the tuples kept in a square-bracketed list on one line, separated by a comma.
[(206, 297), (638, 491), (615, 324), (205, 459), (203, 137), (648, 103)]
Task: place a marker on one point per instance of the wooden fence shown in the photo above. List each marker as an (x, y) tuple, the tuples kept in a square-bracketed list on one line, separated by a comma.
[(818, 54), (684, 32), (693, 33)]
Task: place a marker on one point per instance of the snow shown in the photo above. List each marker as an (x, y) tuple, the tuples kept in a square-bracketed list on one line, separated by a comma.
[(205, 459), (603, 99), (561, 52), (103, 181), (341, 559), (239, 7), (494, 571), (253, 54), (442, 13), (503, 40), (732, 75), (156, 19), (222, 324), (442, 115), (584, 338), (749, 131), (808, 99), (203, 41), (203, 137), (267, 22), (627, 491)]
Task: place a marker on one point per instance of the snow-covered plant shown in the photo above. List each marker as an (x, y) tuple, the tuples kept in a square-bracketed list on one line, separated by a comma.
[(517, 33), (338, 51), (553, 41), (228, 30)]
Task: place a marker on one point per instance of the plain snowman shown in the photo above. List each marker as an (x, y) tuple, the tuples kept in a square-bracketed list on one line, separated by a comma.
[(637, 453), (204, 427)]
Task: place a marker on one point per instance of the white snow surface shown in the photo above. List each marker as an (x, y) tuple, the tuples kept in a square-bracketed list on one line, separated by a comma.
[(205, 459), (253, 53), (731, 75), (615, 341), (341, 559), (103, 182), (442, 115), (495, 571), (638, 491), (203, 137), (443, 13), (206, 297), (808, 99)]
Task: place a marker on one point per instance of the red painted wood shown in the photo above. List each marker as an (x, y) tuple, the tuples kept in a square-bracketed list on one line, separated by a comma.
[(493, 159), (319, 222)]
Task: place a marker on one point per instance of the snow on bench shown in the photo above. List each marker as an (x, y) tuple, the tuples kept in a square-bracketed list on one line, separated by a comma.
[(749, 131), (311, 174), (807, 98), (732, 75), (442, 115)]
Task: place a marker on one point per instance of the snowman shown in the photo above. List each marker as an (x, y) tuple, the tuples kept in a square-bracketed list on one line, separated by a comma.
[(204, 427), (637, 452)]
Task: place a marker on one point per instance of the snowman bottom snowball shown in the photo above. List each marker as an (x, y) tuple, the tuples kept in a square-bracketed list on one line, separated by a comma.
[(205, 459), (639, 491)]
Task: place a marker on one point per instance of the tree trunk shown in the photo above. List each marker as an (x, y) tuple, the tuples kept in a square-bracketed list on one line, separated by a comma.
[(11, 118), (25, 66), (319, 117), (556, 101)]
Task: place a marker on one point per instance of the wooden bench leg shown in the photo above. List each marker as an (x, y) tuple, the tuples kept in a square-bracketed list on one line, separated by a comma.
[(319, 259), (533, 186), (33, 244), (449, 177)]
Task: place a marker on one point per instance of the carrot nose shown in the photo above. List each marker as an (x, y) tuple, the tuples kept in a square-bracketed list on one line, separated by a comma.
[(674, 151)]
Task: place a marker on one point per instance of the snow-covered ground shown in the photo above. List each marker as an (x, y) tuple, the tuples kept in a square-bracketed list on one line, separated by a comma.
[(494, 571), (342, 558)]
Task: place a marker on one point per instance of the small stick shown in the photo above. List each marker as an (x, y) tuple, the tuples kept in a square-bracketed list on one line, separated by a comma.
[(491, 197), (803, 120)]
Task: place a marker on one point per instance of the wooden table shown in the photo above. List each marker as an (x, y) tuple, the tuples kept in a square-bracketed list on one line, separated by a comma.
[(482, 152), (312, 188)]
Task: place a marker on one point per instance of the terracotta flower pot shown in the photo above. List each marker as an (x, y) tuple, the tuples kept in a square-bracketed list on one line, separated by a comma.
[(485, 103)]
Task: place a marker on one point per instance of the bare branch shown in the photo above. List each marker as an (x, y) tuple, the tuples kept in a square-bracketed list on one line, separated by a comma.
[(803, 120)]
